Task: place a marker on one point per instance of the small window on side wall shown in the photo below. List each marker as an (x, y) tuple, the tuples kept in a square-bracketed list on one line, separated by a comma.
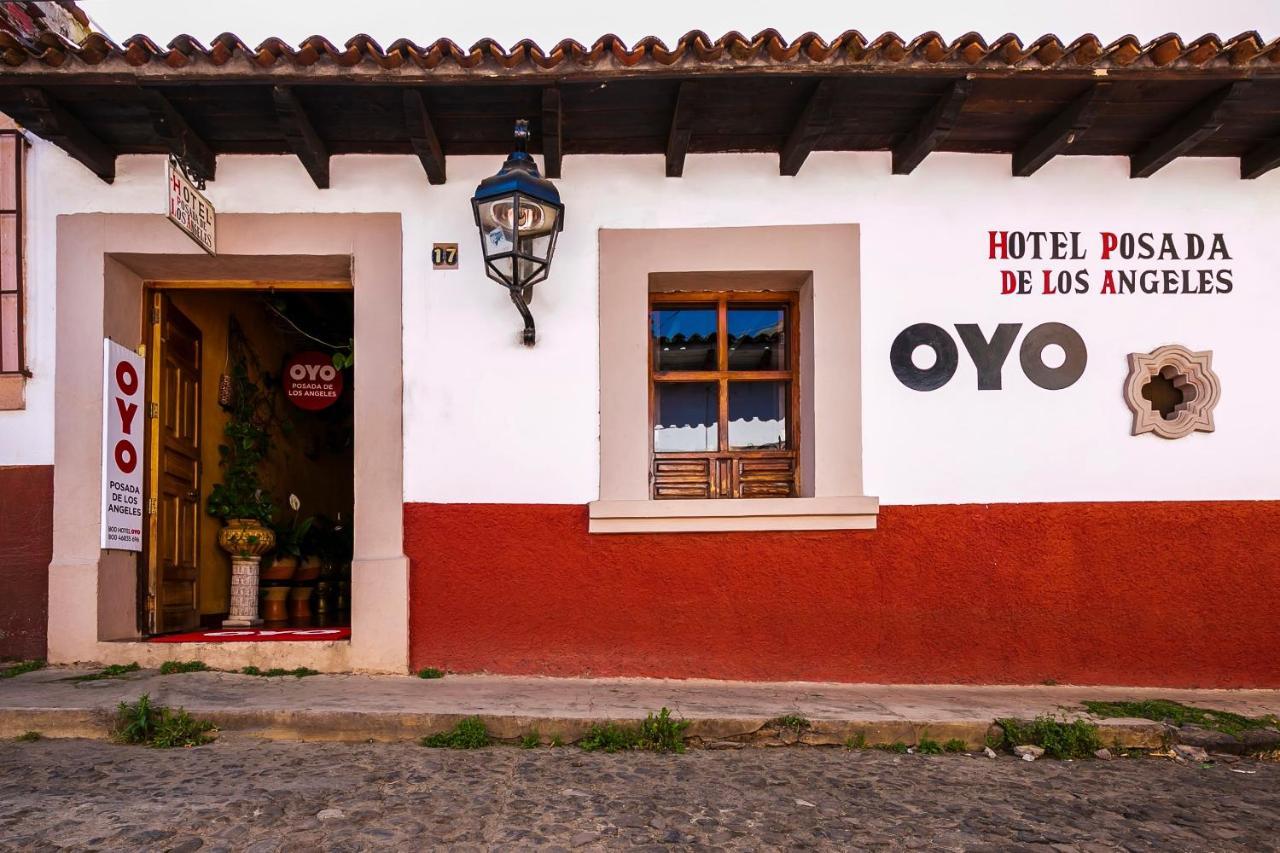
[(724, 395)]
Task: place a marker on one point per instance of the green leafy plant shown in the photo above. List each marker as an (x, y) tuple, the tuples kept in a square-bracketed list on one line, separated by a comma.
[(29, 737), (293, 535), (276, 672), (928, 746), (115, 670), (857, 740), (897, 746), (795, 722), (955, 745), (1058, 738), (173, 667), (430, 672), (530, 740), (608, 737), (22, 667), (248, 441), (159, 726), (662, 733), (1178, 714), (469, 733)]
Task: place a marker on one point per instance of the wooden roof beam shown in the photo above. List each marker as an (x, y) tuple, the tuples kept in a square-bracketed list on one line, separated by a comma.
[(422, 136), (551, 132), (182, 142), (1063, 130), (808, 129), (681, 128), (1260, 160), (301, 135), (932, 130), (1188, 131), (52, 122)]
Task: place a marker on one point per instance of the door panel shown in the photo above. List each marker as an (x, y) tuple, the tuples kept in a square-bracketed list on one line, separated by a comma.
[(173, 366)]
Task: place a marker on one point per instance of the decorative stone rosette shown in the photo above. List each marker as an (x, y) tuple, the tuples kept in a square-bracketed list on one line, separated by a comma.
[(1191, 373)]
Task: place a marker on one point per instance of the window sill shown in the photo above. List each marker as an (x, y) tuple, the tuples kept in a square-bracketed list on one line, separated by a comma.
[(12, 391), (747, 514)]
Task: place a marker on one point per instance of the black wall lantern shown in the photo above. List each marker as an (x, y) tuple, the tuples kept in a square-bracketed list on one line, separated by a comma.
[(519, 215)]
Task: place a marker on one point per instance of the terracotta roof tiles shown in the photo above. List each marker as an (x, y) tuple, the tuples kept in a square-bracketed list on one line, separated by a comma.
[(695, 50)]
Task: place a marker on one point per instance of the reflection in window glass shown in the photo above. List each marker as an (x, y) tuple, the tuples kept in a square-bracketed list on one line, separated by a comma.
[(758, 415), (757, 338), (684, 417), (684, 338)]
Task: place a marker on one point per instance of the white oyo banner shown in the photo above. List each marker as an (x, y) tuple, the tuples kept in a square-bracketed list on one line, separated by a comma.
[(123, 422)]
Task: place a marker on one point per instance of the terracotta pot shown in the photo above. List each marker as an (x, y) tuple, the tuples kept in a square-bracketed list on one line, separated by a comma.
[(275, 603), (300, 602), (309, 570), (246, 537), (281, 569)]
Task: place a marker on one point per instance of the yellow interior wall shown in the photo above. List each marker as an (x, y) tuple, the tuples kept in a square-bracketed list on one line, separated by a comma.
[(324, 484)]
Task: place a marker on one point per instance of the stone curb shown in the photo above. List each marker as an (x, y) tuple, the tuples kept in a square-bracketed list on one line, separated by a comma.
[(392, 727)]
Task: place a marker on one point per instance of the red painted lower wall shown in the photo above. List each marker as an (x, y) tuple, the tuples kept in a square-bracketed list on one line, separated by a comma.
[(1170, 594), (26, 547)]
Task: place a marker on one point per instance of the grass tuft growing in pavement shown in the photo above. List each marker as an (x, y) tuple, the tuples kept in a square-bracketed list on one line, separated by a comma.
[(431, 672), (928, 746), (658, 732), (29, 737), (276, 672), (1058, 738), (174, 667), (897, 746), (467, 734), (115, 670), (22, 667), (955, 745), (795, 722), (159, 726), (531, 740), (1166, 710)]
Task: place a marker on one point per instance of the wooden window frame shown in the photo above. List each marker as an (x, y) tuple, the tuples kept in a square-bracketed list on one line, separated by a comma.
[(17, 287), (726, 473)]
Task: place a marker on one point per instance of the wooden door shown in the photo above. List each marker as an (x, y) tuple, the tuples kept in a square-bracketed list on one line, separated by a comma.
[(173, 469)]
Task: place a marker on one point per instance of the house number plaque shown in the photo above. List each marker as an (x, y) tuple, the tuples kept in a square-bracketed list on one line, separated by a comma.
[(444, 256)]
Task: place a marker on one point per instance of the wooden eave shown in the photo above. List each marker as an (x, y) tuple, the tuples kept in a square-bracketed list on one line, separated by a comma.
[(1161, 100)]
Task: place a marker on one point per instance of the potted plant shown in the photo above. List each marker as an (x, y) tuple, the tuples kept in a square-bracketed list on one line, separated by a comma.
[(239, 500)]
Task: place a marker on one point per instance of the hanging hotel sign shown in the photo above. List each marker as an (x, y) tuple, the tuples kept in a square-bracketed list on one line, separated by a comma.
[(189, 209), (122, 425), (311, 382)]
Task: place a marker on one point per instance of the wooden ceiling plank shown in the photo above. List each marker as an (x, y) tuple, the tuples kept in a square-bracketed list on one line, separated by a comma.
[(301, 135), (1059, 134), (182, 142), (681, 128), (1189, 130), (551, 131), (1260, 160), (932, 130), (808, 129), (54, 124), (422, 136)]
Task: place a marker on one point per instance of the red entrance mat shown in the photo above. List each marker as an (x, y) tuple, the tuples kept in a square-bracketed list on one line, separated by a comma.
[(255, 635)]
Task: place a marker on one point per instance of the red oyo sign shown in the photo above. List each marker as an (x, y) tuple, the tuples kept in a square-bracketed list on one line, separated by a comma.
[(311, 381)]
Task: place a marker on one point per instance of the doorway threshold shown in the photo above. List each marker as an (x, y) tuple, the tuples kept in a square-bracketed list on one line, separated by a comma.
[(257, 635)]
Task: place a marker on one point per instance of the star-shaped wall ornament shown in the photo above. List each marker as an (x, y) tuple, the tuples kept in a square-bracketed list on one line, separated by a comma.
[(1190, 374)]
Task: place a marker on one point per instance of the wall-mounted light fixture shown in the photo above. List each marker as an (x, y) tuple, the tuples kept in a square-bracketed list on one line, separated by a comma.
[(519, 215)]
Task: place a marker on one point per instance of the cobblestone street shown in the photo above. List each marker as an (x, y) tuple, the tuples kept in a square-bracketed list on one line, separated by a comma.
[(266, 796)]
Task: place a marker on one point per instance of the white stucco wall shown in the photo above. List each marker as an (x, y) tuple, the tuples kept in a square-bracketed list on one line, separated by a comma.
[(487, 420)]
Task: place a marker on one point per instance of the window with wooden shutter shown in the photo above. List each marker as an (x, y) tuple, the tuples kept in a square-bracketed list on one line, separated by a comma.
[(12, 355), (724, 395)]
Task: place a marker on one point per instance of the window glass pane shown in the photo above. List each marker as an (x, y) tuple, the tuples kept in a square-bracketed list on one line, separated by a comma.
[(684, 417), (9, 249), (684, 338), (8, 171), (757, 338), (758, 415), (9, 332)]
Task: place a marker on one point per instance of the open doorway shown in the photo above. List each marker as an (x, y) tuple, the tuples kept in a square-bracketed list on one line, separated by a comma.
[(250, 402)]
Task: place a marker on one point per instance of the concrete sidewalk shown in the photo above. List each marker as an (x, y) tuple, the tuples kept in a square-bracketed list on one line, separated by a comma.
[(358, 708)]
